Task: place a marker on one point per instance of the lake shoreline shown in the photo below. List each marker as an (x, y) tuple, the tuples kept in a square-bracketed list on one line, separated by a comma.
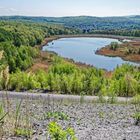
[(45, 65), (52, 38), (86, 63), (106, 51)]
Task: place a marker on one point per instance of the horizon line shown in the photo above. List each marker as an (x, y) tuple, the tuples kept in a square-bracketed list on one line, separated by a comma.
[(66, 16)]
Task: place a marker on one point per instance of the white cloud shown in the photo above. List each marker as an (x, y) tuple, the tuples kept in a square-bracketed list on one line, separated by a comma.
[(4, 11)]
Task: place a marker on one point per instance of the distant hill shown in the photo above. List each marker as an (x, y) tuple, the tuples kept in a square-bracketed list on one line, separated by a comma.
[(86, 22)]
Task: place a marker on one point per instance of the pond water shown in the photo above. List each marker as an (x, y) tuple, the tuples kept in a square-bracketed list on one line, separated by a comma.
[(83, 50)]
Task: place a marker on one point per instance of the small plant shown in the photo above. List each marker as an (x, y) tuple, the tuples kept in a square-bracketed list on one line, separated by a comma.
[(57, 133), (112, 98), (101, 98), (136, 99), (79, 121), (21, 127), (101, 114), (2, 114), (82, 98), (23, 132), (56, 115), (136, 116), (17, 114), (136, 102)]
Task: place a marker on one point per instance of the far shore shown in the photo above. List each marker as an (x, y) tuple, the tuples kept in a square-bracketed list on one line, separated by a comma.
[(52, 38)]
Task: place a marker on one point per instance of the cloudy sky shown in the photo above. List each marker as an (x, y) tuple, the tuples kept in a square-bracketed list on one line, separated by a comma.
[(70, 7)]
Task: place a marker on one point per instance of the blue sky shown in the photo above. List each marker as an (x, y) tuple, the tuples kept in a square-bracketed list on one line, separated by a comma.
[(70, 7)]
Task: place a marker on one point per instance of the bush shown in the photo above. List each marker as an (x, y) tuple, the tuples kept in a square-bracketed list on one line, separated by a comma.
[(23, 81), (114, 45)]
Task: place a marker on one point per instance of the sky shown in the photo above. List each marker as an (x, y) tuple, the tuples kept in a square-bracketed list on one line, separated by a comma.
[(59, 8)]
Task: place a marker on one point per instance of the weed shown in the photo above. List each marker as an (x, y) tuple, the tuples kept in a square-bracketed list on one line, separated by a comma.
[(136, 116), (101, 114), (17, 114), (57, 133), (56, 115), (136, 99), (2, 114), (23, 132)]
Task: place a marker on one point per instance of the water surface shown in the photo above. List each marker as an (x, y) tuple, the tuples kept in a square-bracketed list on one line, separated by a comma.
[(83, 50)]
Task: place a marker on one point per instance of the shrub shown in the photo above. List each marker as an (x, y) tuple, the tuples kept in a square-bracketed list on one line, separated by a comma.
[(114, 45)]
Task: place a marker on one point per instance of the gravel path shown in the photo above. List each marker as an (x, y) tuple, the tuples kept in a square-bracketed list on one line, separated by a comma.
[(91, 121), (56, 97)]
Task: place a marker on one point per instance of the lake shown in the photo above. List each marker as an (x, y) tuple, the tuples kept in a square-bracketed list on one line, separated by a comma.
[(83, 49)]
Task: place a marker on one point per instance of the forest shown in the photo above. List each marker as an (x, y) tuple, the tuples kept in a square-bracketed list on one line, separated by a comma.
[(134, 33), (17, 40), (63, 77), (123, 25)]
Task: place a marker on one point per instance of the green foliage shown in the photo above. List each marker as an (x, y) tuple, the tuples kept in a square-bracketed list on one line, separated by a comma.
[(56, 115), (62, 77), (23, 81), (101, 114), (29, 34), (126, 25), (136, 116), (17, 114), (66, 78), (21, 128), (2, 114), (136, 99), (73, 80), (23, 132), (18, 38), (126, 78), (122, 32), (57, 133), (114, 45), (18, 58)]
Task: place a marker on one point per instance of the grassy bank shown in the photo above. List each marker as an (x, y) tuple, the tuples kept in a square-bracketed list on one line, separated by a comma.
[(129, 51)]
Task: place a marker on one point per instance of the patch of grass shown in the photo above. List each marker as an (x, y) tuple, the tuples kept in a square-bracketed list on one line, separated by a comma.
[(136, 116), (2, 114), (112, 99), (23, 132), (136, 99), (56, 115), (17, 114), (101, 99)]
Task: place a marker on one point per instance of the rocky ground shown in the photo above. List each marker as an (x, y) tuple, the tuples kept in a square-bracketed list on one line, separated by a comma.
[(91, 121)]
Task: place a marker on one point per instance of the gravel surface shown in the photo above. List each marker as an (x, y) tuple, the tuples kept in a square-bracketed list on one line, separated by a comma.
[(91, 121)]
